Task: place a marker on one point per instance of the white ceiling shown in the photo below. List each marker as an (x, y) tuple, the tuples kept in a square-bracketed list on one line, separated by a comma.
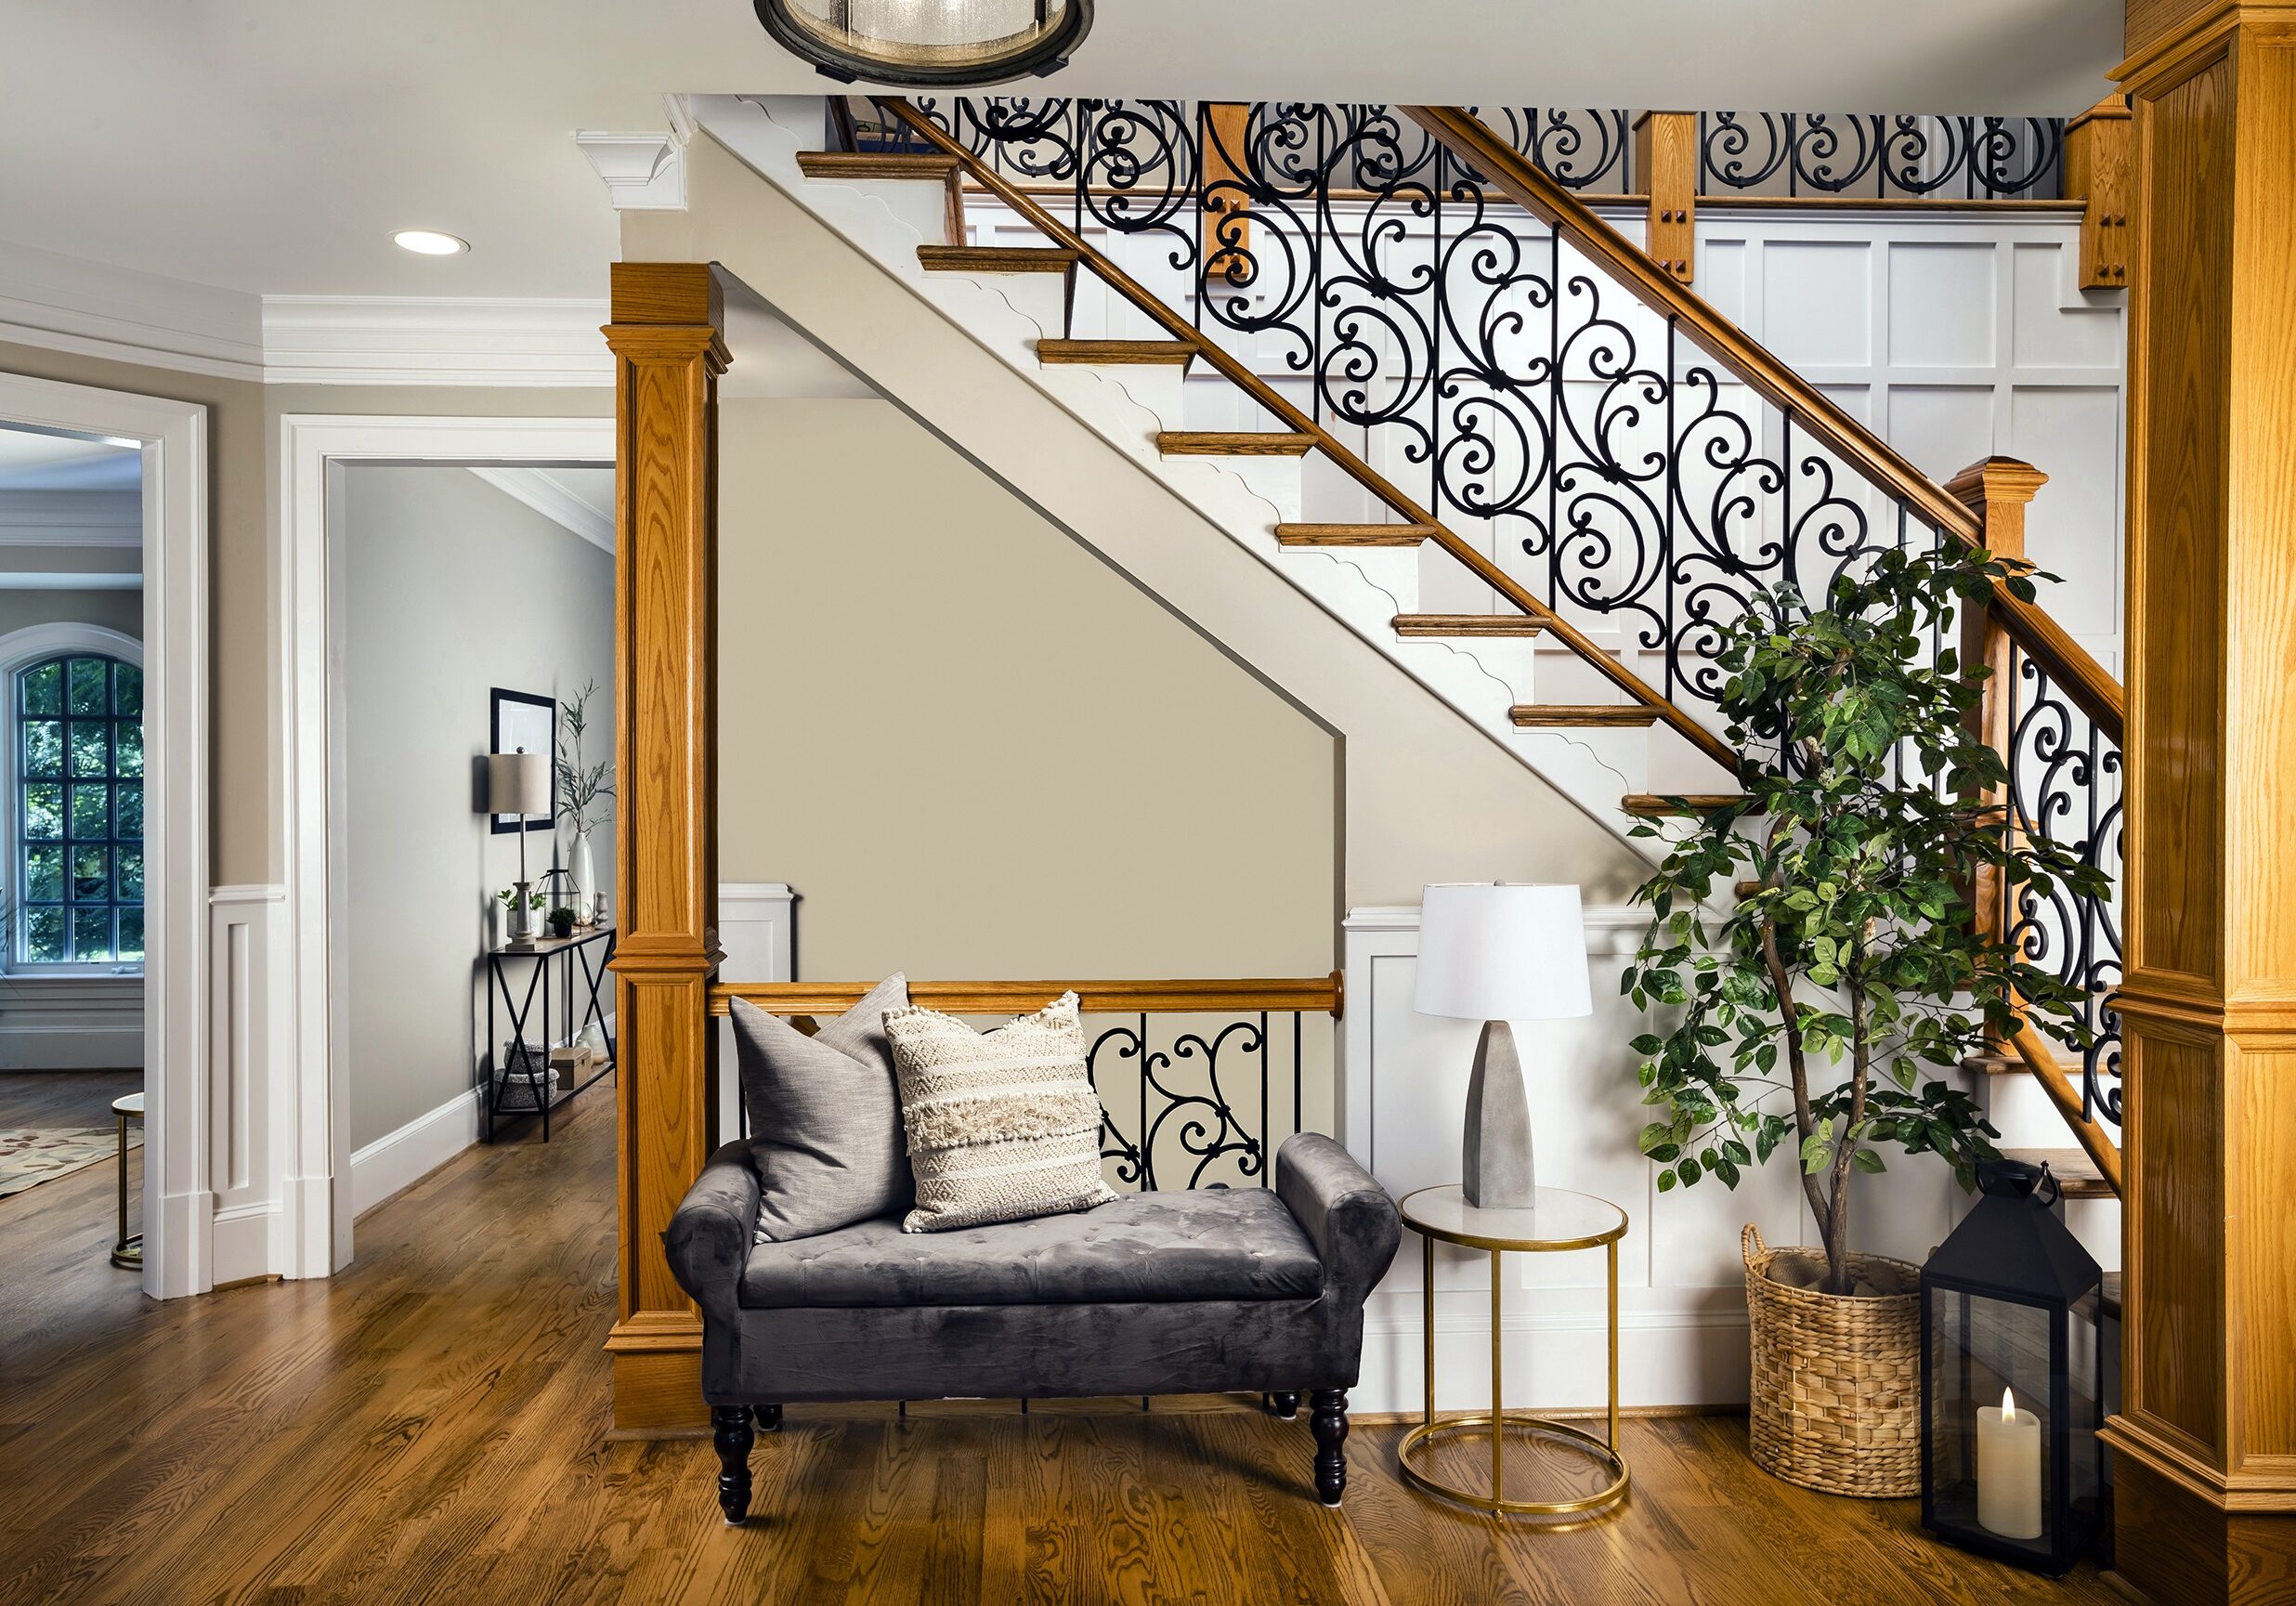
[(271, 146), (34, 459)]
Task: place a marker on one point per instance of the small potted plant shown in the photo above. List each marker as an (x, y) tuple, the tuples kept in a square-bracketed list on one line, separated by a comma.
[(514, 918), (561, 922), (1823, 1013), (584, 791)]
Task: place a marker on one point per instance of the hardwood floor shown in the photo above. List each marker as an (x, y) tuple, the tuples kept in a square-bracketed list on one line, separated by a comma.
[(62, 1098), (431, 1427)]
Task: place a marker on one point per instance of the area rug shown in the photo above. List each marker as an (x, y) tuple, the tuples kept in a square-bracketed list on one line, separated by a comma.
[(28, 1159)]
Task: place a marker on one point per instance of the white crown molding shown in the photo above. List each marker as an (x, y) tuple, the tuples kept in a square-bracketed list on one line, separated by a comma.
[(643, 172), (64, 304), (434, 340), (71, 518), (548, 496)]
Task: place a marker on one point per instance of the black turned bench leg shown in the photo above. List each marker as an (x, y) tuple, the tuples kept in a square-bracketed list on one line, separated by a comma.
[(732, 1425), (768, 1419), (1284, 1405), (1329, 1418)]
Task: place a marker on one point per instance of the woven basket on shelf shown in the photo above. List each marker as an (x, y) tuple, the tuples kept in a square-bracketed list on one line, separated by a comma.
[(1836, 1401)]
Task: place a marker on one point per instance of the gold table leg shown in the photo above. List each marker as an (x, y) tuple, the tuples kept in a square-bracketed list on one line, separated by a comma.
[(125, 1251), (1498, 1419)]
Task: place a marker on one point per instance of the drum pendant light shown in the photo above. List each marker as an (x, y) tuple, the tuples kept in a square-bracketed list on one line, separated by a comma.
[(929, 44)]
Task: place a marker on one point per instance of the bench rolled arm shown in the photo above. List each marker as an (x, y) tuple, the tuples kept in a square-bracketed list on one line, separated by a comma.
[(1345, 1212), (708, 1240)]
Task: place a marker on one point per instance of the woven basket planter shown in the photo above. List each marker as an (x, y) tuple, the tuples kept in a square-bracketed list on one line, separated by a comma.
[(1836, 1403)]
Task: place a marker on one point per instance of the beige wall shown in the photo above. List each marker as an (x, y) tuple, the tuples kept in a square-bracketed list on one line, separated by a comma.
[(973, 748), (453, 588), (25, 606)]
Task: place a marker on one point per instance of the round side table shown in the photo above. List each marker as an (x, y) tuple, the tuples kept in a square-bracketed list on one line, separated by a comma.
[(128, 1251), (1557, 1223)]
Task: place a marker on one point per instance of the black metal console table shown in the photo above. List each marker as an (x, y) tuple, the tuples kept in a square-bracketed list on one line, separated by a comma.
[(527, 1067)]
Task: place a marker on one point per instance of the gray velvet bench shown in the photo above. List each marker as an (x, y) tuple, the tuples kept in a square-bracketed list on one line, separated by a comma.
[(1213, 1290)]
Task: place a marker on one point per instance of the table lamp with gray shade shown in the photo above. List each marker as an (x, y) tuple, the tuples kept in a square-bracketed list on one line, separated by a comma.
[(1496, 953), (518, 783)]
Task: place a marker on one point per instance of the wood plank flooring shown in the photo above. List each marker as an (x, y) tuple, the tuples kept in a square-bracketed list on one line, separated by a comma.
[(431, 1427)]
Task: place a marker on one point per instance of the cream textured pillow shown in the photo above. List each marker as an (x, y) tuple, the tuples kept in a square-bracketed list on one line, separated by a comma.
[(1002, 1125)]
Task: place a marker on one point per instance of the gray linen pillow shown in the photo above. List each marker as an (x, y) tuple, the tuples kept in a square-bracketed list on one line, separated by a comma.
[(824, 1116)]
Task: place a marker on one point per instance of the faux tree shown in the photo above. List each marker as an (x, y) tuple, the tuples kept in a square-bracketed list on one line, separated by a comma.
[(1816, 1015)]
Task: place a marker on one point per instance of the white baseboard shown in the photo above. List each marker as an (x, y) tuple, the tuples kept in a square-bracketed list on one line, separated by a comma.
[(398, 1160)]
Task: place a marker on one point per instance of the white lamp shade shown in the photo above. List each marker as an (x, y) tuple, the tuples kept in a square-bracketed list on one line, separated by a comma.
[(1502, 952), (518, 783)]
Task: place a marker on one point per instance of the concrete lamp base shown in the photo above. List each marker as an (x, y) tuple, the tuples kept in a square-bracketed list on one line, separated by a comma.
[(1495, 1162)]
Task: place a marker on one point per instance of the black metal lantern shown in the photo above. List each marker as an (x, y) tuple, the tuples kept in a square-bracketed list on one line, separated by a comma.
[(929, 44), (2013, 1377)]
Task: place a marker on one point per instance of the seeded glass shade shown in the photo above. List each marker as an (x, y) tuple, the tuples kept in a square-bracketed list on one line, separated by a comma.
[(518, 783), (1502, 952), (929, 44)]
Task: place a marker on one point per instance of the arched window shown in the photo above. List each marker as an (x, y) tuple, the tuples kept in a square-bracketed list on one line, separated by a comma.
[(79, 811)]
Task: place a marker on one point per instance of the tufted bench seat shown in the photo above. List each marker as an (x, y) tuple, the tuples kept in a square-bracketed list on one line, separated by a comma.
[(1209, 1244), (1207, 1291)]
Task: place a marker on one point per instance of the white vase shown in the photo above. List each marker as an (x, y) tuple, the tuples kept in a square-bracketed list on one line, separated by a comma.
[(585, 878)]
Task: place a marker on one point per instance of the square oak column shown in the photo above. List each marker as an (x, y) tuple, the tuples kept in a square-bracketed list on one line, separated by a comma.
[(669, 349), (2206, 1470)]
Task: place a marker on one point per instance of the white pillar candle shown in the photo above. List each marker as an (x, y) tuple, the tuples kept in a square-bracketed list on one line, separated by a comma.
[(2009, 1469)]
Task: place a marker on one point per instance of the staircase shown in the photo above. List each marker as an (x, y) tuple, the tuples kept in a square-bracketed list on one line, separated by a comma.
[(1357, 473)]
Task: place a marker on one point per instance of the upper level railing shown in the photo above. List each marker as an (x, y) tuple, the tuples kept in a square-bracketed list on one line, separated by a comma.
[(1416, 285), (1148, 145)]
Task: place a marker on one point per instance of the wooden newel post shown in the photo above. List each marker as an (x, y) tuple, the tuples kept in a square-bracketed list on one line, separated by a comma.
[(2096, 173), (669, 349), (1666, 162), (2204, 1443), (1998, 491)]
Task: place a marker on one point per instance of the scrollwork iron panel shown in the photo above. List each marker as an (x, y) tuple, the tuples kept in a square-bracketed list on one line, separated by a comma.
[(1191, 1102), (2064, 785), (1885, 158)]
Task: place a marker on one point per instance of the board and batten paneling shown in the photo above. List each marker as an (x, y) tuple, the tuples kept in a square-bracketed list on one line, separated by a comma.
[(1682, 1305)]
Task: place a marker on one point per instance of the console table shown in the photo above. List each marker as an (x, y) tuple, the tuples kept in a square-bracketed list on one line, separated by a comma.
[(589, 951)]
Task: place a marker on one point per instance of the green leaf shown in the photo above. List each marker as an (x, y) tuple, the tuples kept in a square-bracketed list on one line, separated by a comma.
[(1866, 1160)]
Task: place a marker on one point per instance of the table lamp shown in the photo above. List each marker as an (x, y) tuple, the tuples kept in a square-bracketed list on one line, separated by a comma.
[(518, 783), (1496, 953)]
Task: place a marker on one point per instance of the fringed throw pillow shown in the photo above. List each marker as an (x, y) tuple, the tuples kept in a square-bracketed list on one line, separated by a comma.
[(1002, 1125)]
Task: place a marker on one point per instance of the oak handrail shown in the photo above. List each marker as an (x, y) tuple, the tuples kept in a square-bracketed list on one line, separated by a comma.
[(2086, 682), (1279, 995), (1217, 357)]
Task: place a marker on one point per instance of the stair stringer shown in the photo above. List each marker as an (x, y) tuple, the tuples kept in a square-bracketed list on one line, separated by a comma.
[(1070, 441)]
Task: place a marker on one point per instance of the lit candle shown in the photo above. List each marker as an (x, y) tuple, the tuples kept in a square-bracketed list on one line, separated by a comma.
[(2009, 1469)]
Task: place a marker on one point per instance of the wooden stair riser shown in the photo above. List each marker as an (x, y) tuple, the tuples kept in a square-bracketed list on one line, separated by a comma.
[(1040, 284)]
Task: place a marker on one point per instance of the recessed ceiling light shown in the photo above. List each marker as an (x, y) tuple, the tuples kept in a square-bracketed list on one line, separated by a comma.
[(429, 242)]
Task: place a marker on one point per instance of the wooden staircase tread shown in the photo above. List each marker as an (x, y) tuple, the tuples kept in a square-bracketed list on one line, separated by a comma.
[(2111, 1294), (1655, 806), (1477, 624), (1234, 443), (861, 165), (1532, 715), (1127, 353), (1352, 534), (998, 258), (2072, 1168)]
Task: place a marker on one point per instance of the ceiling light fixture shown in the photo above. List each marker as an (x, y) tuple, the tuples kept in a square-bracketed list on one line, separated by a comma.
[(929, 44), (429, 242)]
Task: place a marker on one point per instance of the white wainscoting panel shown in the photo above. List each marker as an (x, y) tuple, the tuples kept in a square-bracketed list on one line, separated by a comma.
[(71, 1023), (757, 929), (250, 1082), (1682, 1311)]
